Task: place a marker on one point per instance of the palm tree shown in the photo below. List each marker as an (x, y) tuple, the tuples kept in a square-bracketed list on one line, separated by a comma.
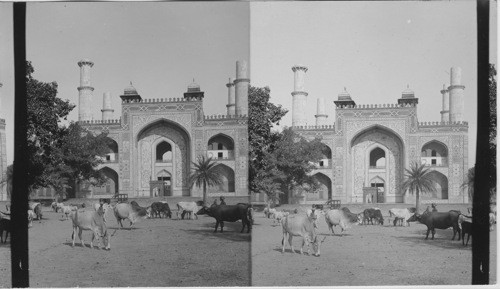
[(469, 183), (418, 180), (205, 173)]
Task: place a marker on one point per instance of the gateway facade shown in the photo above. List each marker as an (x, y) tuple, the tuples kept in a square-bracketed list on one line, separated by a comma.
[(154, 142), (369, 147)]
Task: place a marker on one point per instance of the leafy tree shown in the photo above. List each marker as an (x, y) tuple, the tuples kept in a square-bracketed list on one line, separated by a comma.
[(58, 155), (44, 113), (418, 180), (296, 157), (469, 183), (263, 115), (205, 174)]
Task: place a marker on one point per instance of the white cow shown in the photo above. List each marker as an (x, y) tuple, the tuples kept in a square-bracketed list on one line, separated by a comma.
[(340, 218), (31, 216), (301, 226), (105, 208), (400, 214), (278, 216), (132, 212), (66, 210), (188, 207), (93, 221), (317, 214)]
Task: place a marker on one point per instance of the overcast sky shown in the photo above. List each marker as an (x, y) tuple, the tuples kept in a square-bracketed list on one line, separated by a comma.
[(160, 47), (374, 49)]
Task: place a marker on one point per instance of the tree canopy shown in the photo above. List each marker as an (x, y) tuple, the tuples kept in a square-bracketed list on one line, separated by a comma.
[(279, 161), (58, 154)]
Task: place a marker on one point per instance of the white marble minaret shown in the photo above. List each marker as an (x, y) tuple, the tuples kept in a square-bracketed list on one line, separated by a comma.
[(456, 90), (321, 116), (241, 84), (230, 98), (107, 110), (85, 90), (299, 96), (445, 112)]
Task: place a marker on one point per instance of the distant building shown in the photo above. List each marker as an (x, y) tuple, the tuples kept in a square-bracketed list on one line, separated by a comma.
[(368, 148), (154, 142)]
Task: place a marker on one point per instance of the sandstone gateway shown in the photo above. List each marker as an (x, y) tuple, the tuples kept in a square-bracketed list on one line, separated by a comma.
[(154, 142), (369, 146)]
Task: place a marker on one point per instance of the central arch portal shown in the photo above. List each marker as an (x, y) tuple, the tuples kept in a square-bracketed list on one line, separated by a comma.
[(377, 153)]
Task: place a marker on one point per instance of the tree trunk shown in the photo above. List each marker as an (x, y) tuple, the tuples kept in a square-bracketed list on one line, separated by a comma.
[(204, 193), (417, 200)]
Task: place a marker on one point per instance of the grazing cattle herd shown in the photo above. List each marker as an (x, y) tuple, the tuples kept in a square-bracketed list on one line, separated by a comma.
[(93, 218), (302, 223), (305, 223)]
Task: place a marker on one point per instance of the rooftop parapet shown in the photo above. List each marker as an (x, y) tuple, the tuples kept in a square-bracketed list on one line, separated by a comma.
[(368, 106), (443, 123), (312, 127), (223, 116), (163, 100), (98, 121)]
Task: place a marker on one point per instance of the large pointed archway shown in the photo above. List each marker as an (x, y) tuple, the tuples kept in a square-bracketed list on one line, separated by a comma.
[(324, 191), (110, 187), (163, 145), (376, 151)]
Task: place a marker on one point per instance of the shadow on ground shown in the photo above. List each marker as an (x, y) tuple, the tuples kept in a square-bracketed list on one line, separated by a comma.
[(231, 232)]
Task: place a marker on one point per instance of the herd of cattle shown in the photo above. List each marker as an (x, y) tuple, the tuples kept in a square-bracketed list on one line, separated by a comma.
[(94, 219), (305, 225)]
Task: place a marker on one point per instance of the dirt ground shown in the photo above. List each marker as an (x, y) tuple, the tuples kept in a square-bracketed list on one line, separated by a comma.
[(371, 255), (156, 252)]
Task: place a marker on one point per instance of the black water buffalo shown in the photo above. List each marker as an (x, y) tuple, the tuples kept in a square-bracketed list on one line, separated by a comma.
[(372, 213), (159, 209), (439, 220), (228, 213)]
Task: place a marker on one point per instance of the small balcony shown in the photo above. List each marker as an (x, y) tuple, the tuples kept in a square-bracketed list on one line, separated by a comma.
[(221, 154), (434, 161)]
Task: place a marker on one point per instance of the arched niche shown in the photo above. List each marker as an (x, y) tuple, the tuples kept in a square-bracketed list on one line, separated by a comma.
[(440, 185), (110, 187), (434, 153), (376, 151), (155, 138), (220, 146), (325, 190), (228, 184)]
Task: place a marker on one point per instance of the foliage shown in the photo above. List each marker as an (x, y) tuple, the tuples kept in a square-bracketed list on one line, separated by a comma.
[(57, 154), (44, 112), (262, 116), (205, 173), (280, 162), (469, 183), (296, 157), (418, 180)]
